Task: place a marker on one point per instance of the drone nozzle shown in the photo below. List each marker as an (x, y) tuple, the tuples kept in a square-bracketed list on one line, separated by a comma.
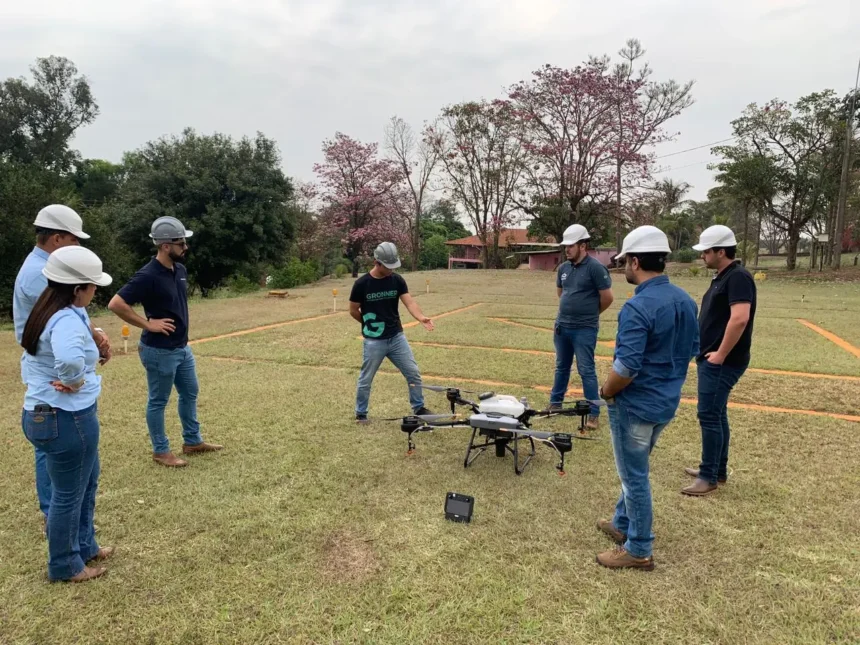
[(563, 442), (410, 424)]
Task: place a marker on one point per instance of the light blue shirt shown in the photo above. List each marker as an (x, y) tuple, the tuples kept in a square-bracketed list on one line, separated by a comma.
[(67, 353), (29, 285)]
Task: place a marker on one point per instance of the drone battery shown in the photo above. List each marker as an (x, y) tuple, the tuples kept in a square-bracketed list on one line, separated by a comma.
[(458, 507), (492, 422)]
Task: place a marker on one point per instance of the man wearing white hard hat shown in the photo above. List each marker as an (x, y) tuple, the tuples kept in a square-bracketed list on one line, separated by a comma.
[(60, 412), (585, 291), (725, 327), (57, 226), (658, 335), (161, 286)]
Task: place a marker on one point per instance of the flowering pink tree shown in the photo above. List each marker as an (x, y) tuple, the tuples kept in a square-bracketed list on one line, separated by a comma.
[(360, 196), (567, 120), (481, 158)]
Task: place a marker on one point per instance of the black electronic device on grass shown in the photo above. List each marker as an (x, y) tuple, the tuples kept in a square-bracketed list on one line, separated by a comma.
[(458, 507)]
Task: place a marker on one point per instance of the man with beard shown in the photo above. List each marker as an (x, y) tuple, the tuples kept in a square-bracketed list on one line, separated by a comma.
[(162, 287), (584, 291), (726, 327), (658, 335)]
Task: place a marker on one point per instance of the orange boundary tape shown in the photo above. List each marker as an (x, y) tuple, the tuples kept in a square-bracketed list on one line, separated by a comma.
[(262, 328), (605, 343), (833, 338), (541, 352), (547, 388), (444, 313)]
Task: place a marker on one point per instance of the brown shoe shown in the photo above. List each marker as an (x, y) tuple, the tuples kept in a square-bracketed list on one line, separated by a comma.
[(200, 447), (618, 558), (168, 459), (699, 488), (593, 423), (88, 573), (609, 528), (104, 553), (694, 472)]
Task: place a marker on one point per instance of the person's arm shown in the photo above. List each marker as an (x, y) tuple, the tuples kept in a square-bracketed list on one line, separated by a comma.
[(102, 342), (413, 308), (558, 288), (630, 344), (68, 341), (355, 310), (606, 299), (156, 326), (356, 297), (738, 321)]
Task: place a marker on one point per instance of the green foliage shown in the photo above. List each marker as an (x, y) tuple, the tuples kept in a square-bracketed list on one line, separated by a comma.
[(295, 273), (695, 270), (442, 218), (684, 256), (434, 253), (232, 194), (241, 283), (341, 270)]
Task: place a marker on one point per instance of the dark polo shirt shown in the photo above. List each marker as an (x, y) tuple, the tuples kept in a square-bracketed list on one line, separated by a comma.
[(163, 293)]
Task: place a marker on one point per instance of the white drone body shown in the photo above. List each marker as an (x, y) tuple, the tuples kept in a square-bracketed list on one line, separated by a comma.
[(504, 405)]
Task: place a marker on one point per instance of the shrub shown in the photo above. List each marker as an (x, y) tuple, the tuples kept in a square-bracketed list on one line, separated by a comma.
[(694, 270), (684, 256), (241, 284), (294, 273)]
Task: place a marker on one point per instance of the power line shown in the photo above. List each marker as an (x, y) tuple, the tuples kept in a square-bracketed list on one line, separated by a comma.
[(697, 163), (707, 145)]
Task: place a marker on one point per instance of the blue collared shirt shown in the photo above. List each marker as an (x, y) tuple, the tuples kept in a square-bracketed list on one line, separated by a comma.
[(658, 336), (67, 353)]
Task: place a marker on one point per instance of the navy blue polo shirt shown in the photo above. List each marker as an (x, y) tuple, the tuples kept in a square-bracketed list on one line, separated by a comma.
[(163, 293)]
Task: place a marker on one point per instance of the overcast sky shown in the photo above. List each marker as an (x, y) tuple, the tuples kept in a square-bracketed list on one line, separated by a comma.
[(300, 70)]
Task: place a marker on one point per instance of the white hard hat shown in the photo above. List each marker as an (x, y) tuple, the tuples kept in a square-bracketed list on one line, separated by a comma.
[(75, 265), (573, 234), (61, 218), (644, 239), (717, 236)]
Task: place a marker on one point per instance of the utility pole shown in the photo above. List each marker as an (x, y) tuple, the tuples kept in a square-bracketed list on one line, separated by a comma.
[(843, 183)]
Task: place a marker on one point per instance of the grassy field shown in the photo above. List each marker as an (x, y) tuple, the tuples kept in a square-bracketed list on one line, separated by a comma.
[(310, 529)]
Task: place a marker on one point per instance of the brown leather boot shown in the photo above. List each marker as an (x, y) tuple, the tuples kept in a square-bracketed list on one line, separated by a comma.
[(593, 423), (104, 553), (168, 459), (694, 472), (200, 447), (699, 488), (618, 558), (607, 527), (88, 573)]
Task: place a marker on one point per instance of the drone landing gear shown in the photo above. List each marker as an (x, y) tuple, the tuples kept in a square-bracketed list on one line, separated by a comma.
[(502, 442)]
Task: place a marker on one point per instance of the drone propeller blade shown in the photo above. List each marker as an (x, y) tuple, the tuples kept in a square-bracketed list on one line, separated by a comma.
[(430, 418), (441, 388)]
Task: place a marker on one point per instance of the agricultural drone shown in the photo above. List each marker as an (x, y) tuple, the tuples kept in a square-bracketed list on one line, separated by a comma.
[(503, 421)]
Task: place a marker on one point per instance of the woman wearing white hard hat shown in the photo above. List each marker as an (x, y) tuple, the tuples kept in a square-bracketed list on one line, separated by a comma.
[(60, 414)]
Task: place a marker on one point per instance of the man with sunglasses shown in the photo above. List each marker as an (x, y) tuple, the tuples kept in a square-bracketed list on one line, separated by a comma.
[(162, 287), (725, 329)]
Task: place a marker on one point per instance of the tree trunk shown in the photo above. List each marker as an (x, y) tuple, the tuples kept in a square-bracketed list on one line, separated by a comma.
[(746, 233), (793, 239), (758, 239), (416, 239), (618, 228)]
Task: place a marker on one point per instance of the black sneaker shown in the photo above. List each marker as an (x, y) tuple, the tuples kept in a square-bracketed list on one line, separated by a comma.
[(422, 410), (361, 418)]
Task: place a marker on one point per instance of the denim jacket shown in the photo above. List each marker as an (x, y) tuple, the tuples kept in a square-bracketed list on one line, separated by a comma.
[(658, 336)]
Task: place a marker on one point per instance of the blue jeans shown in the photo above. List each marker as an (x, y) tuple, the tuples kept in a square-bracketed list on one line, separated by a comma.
[(70, 443), (715, 385), (397, 350), (632, 441), (164, 369), (579, 343), (43, 481)]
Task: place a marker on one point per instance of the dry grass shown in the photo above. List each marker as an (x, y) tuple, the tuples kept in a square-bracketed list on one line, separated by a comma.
[(308, 528)]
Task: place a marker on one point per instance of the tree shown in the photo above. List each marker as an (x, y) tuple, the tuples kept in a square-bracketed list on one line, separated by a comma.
[(444, 213), (793, 144), (232, 194), (674, 218), (38, 119), (657, 104), (416, 161), (481, 159), (97, 181), (360, 196)]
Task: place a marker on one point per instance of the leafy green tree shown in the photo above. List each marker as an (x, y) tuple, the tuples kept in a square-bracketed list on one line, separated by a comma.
[(232, 194)]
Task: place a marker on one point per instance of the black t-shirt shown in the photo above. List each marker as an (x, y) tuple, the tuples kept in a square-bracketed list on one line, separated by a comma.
[(164, 294), (379, 298), (733, 285)]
